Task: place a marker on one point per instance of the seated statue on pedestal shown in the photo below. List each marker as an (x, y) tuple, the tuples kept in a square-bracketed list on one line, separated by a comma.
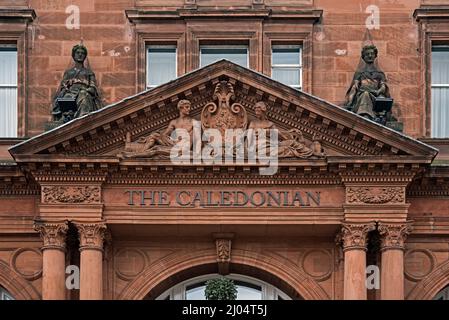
[(369, 95), (77, 94)]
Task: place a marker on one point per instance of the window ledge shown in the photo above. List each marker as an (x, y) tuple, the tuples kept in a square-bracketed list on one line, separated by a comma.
[(136, 15)]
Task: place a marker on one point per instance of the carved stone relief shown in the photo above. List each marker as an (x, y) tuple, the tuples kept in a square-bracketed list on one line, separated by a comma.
[(222, 114), (71, 194), (375, 195)]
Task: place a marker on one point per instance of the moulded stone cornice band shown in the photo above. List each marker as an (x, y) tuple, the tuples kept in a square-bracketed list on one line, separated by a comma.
[(134, 15), (434, 12), (17, 14)]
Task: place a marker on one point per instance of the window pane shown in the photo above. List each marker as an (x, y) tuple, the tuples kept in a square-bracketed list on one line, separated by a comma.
[(440, 95), (246, 292), (237, 55), (8, 112), (4, 295), (440, 113), (440, 65), (8, 66), (161, 65), (8, 92), (196, 292), (288, 76), (286, 55)]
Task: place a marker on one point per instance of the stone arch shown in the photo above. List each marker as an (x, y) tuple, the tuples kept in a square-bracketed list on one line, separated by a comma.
[(433, 283), (205, 261), (17, 286)]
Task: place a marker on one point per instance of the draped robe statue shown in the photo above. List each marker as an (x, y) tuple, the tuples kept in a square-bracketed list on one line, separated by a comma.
[(368, 84), (78, 85)]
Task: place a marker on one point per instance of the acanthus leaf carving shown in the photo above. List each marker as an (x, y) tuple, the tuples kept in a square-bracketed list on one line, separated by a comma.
[(52, 234), (375, 195), (91, 235), (393, 235), (355, 235), (71, 194)]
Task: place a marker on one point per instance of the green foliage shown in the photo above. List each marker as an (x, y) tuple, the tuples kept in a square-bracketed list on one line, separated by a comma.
[(221, 289)]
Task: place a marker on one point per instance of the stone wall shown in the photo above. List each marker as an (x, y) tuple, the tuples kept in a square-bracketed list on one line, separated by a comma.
[(337, 41)]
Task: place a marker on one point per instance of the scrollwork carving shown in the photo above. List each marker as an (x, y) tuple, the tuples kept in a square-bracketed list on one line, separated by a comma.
[(223, 115)]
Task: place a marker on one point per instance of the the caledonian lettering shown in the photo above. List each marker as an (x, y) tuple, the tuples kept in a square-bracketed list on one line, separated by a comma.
[(224, 198)]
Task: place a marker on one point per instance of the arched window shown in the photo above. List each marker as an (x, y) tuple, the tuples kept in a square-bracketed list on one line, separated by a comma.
[(443, 294), (4, 295), (248, 288)]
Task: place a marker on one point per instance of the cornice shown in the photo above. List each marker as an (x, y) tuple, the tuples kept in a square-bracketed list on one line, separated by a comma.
[(17, 14), (431, 12), (142, 16), (225, 179)]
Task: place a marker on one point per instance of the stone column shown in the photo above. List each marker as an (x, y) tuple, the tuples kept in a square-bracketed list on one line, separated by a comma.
[(53, 256), (91, 237), (393, 236), (354, 240)]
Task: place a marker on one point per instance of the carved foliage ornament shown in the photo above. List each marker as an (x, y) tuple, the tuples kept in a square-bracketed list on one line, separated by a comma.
[(354, 236), (393, 235), (375, 195), (53, 234), (91, 235), (71, 194), (223, 250)]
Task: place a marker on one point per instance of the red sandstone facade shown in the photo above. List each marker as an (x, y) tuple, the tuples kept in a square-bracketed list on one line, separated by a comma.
[(65, 196)]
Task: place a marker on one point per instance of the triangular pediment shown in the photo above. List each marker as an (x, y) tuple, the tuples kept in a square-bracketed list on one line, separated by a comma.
[(102, 134)]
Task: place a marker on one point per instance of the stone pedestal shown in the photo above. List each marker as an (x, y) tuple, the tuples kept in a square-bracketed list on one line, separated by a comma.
[(392, 268), (353, 237), (53, 255), (91, 237), (52, 125)]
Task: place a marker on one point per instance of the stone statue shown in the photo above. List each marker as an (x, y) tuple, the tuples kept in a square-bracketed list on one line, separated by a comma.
[(77, 94), (184, 121), (159, 144), (291, 142), (219, 116), (368, 86)]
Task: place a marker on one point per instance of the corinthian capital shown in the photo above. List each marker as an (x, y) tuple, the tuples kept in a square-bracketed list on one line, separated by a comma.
[(91, 235), (53, 234), (393, 235), (354, 235)]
